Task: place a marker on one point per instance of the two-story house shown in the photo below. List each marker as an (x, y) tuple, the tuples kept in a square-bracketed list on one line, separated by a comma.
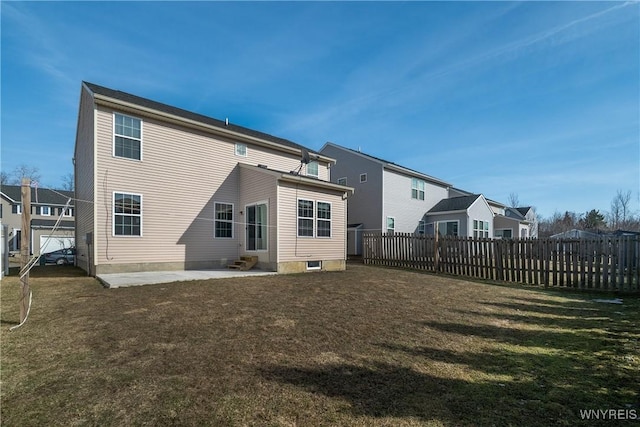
[(162, 188), (388, 197), (46, 207)]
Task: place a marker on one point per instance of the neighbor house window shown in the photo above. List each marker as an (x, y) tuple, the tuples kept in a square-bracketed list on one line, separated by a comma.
[(421, 227), (45, 210), (223, 220), (480, 228), (312, 169), (447, 228), (305, 218), (417, 189), (257, 227), (391, 224), (16, 209), (67, 212), (127, 137), (363, 177), (127, 214), (241, 150), (323, 220), (505, 233), (342, 181)]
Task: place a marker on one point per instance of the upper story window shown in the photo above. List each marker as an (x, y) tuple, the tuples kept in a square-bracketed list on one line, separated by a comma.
[(127, 137), (223, 221), (342, 181), (241, 150), (16, 209), (312, 169), (127, 214), (45, 210), (417, 189), (480, 228), (67, 212), (363, 177)]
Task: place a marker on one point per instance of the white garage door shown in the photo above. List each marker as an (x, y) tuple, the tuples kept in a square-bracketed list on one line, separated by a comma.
[(55, 243)]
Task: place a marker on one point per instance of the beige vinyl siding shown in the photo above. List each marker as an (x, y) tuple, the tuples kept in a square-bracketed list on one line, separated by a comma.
[(84, 181), (294, 248), (259, 187), (181, 174)]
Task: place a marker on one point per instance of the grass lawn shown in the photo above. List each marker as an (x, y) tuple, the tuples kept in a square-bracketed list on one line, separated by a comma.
[(368, 346)]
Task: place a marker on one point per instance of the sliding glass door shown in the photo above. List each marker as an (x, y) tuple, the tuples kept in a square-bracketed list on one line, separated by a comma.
[(257, 227)]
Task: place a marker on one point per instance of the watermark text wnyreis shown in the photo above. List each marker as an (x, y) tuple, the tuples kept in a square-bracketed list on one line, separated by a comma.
[(609, 414)]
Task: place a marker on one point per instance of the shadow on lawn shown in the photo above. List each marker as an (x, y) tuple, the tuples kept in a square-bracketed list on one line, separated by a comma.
[(512, 374)]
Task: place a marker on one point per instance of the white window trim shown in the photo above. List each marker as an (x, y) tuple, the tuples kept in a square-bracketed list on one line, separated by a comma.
[(67, 212), (215, 220), (48, 210), (318, 267), (312, 218), (417, 183), (386, 223), (113, 215), (18, 209), (363, 175), (330, 220), (262, 202), (113, 144), (437, 224), (480, 231), (340, 179), (246, 149), (317, 174)]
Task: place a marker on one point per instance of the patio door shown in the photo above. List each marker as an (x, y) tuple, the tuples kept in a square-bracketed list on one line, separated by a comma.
[(257, 227)]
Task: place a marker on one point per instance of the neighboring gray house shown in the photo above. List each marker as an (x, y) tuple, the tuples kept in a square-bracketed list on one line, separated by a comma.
[(388, 197), (46, 207), (469, 216)]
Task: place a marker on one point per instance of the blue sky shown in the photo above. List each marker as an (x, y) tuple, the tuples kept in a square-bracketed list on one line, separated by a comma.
[(541, 99)]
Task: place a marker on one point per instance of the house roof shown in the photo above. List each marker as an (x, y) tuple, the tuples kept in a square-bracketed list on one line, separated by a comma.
[(44, 195), (490, 201), (303, 179), (523, 210), (189, 115), (393, 166), (515, 213), (453, 204)]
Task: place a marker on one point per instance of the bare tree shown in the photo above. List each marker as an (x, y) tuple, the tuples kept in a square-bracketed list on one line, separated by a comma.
[(24, 171), (68, 181), (513, 200), (4, 178)]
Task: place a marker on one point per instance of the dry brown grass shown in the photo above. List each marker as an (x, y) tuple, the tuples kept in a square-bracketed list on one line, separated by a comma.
[(368, 346)]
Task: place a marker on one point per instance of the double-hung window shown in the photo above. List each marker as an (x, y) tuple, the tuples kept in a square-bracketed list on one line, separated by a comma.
[(241, 150), (391, 224), (305, 218), (417, 189), (312, 169), (323, 219), (16, 209), (127, 135), (127, 214), (45, 210), (480, 228), (67, 212), (223, 220)]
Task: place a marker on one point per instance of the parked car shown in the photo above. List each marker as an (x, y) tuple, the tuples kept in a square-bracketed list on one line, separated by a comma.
[(61, 257)]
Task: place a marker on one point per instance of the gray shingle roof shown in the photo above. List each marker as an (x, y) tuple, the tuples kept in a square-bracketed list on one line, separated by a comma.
[(158, 106), (45, 196), (49, 223), (523, 210), (454, 204)]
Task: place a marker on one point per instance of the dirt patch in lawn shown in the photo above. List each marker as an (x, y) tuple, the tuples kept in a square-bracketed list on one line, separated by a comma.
[(368, 346)]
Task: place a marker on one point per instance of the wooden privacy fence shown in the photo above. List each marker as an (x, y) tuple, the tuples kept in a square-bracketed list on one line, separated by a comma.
[(604, 264)]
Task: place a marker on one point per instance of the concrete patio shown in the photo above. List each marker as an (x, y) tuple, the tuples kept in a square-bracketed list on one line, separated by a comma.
[(121, 280)]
